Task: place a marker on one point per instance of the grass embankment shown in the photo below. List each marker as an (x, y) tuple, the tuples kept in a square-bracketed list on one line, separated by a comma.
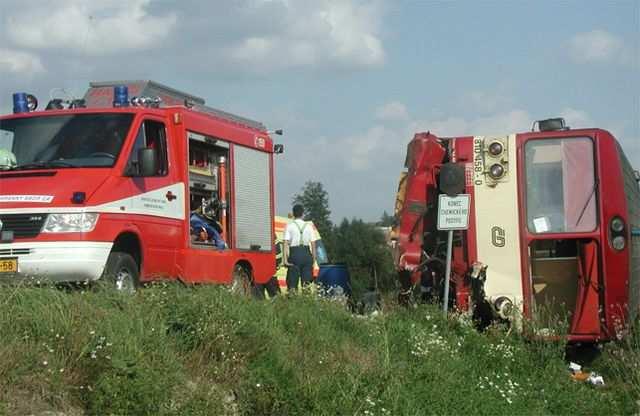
[(175, 350)]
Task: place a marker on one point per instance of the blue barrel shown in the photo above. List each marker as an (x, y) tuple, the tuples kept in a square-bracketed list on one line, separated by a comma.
[(334, 278)]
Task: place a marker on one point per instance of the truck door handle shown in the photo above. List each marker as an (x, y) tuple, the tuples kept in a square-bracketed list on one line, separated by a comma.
[(170, 196)]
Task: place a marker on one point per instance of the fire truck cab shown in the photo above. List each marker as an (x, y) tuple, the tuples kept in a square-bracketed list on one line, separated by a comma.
[(156, 186), (554, 224)]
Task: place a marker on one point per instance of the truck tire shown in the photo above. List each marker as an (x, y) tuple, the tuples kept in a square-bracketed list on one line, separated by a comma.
[(242, 284), (121, 272)]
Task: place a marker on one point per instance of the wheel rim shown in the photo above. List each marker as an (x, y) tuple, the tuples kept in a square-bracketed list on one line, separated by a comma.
[(241, 284), (124, 280)]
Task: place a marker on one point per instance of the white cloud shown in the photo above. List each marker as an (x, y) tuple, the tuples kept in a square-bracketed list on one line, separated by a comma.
[(235, 37), (492, 101), (576, 119), (365, 151), (392, 111), (513, 121), (94, 28), (340, 33), (597, 46), (18, 62), (383, 142)]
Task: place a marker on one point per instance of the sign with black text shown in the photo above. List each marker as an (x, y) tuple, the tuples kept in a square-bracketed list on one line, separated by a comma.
[(453, 212)]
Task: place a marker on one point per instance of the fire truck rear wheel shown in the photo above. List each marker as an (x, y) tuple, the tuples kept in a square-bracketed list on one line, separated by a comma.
[(122, 272), (243, 285)]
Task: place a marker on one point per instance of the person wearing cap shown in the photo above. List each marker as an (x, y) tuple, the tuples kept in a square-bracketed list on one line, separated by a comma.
[(299, 250)]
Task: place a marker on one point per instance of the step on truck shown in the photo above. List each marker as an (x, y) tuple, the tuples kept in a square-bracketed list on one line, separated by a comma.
[(135, 182), (554, 227)]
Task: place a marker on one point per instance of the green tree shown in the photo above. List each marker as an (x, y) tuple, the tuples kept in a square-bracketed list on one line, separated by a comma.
[(386, 220), (364, 249), (315, 200)]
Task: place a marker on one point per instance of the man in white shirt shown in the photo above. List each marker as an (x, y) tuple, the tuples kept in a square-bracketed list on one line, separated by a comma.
[(299, 250)]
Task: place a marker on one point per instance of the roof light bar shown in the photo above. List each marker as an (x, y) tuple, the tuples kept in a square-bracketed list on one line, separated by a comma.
[(20, 103), (120, 96)]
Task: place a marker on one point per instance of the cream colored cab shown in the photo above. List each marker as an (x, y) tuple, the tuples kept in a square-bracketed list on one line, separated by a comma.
[(496, 215)]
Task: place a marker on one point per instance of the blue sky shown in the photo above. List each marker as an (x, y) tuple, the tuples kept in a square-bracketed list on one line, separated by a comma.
[(349, 81)]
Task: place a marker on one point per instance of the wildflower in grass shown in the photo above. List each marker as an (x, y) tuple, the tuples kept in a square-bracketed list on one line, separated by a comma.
[(502, 384)]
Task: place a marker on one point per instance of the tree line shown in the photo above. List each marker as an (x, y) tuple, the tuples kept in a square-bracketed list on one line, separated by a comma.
[(360, 245)]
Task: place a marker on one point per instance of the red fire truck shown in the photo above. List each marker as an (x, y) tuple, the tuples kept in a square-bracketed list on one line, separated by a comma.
[(554, 224), (135, 182)]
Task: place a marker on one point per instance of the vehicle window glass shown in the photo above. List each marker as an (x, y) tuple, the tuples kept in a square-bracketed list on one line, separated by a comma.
[(561, 185), (152, 135), (321, 252), (79, 140), (6, 139)]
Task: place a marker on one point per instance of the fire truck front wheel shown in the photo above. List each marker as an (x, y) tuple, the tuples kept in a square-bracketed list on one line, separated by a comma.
[(122, 272)]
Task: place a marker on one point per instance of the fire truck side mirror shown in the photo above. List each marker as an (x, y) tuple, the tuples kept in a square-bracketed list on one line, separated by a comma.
[(147, 165), (278, 148)]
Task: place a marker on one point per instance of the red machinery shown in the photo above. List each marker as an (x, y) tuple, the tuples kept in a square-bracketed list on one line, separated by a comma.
[(554, 224)]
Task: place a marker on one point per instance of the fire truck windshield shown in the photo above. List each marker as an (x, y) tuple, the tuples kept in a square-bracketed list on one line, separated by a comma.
[(561, 185), (64, 141)]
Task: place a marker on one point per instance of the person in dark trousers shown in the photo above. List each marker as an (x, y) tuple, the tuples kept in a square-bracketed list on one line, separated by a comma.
[(299, 250)]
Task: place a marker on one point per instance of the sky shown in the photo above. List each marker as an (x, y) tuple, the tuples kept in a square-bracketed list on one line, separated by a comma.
[(350, 82)]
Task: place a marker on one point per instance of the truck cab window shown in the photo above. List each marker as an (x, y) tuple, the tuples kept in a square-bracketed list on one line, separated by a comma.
[(151, 135), (561, 185)]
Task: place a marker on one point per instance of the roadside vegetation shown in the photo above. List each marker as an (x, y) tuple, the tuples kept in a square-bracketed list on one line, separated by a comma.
[(170, 349)]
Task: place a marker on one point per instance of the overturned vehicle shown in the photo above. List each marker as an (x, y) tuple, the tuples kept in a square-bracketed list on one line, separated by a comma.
[(553, 225)]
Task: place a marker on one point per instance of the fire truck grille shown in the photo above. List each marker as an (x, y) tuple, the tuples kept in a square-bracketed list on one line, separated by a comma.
[(9, 252), (23, 225)]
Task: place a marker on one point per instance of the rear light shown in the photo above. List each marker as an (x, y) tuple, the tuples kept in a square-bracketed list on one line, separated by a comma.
[(617, 225), (618, 243), (617, 233)]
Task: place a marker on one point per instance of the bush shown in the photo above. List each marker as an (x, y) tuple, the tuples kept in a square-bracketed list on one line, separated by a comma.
[(363, 248)]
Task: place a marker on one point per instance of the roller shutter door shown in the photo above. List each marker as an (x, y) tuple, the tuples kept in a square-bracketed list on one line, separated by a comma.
[(253, 199)]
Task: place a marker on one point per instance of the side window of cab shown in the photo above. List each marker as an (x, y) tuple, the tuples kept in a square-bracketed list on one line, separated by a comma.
[(151, 141)]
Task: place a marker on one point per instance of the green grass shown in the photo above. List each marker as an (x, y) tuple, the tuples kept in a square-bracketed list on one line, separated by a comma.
[(200, 351)]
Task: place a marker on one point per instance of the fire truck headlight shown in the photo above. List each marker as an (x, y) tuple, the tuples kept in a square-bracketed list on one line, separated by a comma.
[(496, 171), (81, 222), (617, 225), (618, 242)]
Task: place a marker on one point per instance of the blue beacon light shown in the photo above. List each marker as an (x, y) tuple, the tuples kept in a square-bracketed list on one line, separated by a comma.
[(120, 96), (20, 103)]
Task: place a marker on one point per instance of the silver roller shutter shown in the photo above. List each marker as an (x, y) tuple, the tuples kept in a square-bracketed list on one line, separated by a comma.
[(253, 199)]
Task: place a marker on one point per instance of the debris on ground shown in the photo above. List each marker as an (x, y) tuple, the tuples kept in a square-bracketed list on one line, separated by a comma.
[(590, 377), (596, 379)]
